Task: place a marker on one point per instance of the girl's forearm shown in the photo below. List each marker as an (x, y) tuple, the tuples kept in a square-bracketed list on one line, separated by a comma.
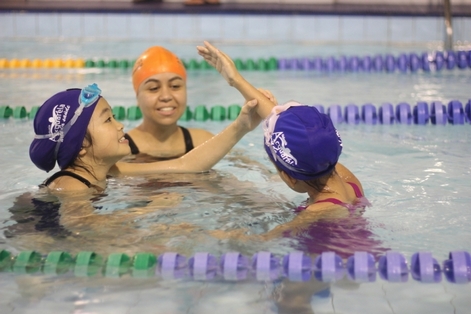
[(201, 158), (250, 92)]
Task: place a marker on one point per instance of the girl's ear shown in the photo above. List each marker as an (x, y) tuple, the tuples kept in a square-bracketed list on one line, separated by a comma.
[(82, 152), (288, 179)]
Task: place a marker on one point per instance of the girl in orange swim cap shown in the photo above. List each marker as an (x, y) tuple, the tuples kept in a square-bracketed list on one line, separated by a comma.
[(159, 80)]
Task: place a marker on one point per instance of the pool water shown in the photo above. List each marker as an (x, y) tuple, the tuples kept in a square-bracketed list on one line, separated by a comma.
[(416, 177)]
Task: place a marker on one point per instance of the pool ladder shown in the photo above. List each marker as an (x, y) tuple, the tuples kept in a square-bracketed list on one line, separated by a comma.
[(448, 45)]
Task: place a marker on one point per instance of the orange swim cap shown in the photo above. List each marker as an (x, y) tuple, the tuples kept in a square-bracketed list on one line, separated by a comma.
[(153, 61)]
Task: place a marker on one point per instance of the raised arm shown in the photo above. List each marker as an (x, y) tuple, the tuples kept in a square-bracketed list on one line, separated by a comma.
[(204, 156), (224, 64)]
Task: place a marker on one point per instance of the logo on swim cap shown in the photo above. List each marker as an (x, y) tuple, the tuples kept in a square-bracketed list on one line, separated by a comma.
[(57, 121), (279, 144)]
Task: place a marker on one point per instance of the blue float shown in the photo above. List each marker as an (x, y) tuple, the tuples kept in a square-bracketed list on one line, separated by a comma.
[(297, 266), (455, 112), (402, 62), (415, 62), (403, 113), (438, 113), (328, 267), (351, 114), (266, 266), (203, 266), (366, 64), (335, 114), (361, 267), (393, 267), (234, 266), (461, 60), (320, 108), (426, 59), (386, 114), (390, 63), (353, 64), (439, 60), (421, 113), (425, 268), (368, 114), (378, 63), (457, 268), (467, 111), (450, 58)]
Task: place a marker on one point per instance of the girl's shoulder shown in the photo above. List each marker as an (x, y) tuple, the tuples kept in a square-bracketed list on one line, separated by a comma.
[(199, 136)]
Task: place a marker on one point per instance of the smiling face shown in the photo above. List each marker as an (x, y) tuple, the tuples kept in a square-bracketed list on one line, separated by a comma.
[(108, 142), (162, 98)]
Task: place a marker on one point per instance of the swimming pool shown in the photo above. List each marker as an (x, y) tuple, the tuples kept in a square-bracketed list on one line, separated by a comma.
[(417, 178)]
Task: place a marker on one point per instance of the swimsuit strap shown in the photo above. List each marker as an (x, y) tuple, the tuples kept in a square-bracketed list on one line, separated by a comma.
[(132, 145), (356, 189), (186, 137), (188, 141), (331, 200), (66, 173)]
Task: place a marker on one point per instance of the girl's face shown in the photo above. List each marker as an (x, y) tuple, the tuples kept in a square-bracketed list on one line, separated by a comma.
[(108, 142), (162, 98)]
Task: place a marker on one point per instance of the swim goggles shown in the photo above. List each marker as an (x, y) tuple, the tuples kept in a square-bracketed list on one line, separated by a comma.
[(88, 96)]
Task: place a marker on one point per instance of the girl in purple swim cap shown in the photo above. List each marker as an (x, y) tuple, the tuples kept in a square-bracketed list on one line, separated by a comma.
[(76, 130), (304, 146)]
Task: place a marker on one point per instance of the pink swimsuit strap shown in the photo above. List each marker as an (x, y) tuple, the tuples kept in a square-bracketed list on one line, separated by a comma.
[(335, 201)]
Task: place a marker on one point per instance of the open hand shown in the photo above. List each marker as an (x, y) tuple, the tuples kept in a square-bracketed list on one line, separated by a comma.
[(248, 118), (220, 61)]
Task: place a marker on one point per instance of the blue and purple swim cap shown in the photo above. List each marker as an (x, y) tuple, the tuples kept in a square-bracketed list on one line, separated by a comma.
[(301, 141), (60, 126)]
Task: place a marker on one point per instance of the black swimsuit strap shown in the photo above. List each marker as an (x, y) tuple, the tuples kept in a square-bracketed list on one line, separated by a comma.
[(188, 141), (132, 145), (186, 137), (66, 173)]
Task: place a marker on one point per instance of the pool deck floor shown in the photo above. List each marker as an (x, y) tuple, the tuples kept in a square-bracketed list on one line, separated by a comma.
[(150, 6)]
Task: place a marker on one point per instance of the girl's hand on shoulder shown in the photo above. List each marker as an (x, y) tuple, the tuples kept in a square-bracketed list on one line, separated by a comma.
[(220, 61), (248, 118), (269, 95)]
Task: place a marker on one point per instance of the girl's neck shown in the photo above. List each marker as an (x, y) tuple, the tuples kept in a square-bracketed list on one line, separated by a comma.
[(96, 178), (160, 132), (327, 192)]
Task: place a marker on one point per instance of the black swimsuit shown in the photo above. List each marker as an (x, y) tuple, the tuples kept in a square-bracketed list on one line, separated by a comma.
[(186, 136), (65, 173)]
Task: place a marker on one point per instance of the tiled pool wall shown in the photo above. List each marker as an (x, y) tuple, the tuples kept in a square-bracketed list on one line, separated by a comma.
[(247, 28)]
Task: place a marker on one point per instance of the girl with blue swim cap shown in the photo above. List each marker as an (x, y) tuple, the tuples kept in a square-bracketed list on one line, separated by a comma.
[(76, 130), (301, 142)]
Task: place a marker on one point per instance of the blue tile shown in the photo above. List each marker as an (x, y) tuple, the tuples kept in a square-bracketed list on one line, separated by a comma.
[(94, 25), (305, 28), (376, 29), (48, 25), (140, 26), (210, 27), (328, 28), (71, 25), (117, 26), (428, 29), (233, 27), (186, 27), (281, 28), (352, 29), (7, 29), (401, 29), (256, 27), (25, 25), (163, 26)]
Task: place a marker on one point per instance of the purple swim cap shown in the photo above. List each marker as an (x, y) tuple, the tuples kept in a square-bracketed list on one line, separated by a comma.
[(60, 126), (301, 141)]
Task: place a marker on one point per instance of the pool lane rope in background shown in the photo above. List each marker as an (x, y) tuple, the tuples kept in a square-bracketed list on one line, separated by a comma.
[(422, 113), (404, 62), (234, 266)]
